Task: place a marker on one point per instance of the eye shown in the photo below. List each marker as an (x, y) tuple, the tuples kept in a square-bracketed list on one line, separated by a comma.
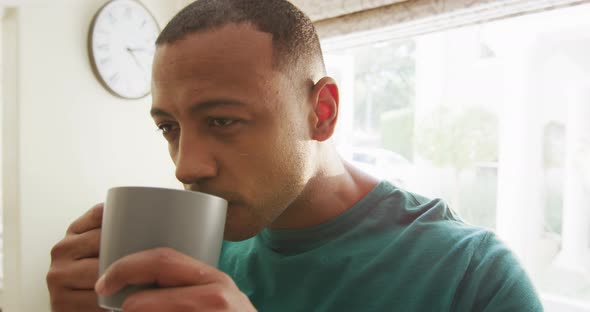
[(165, 128), (221, 122)]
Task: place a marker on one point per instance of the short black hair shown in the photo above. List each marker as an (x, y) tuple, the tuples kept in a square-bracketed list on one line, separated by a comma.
[(293, 34)]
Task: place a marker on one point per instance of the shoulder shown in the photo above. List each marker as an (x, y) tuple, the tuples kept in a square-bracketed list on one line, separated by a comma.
[(484, 271), (433, 227), (399, 209), (429, 229), (495, 280), (408, 207)]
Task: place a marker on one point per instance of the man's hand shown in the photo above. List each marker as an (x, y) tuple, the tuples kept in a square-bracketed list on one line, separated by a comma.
[(74, 265), (185, 284)]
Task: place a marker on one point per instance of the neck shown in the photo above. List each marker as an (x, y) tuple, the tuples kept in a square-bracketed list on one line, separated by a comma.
[(335, 188)]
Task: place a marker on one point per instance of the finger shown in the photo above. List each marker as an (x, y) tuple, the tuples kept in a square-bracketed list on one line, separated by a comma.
[(77, 275), (77, 300), (86, 245), (92, 219), (195, 298), (161, 266), (77, 246)]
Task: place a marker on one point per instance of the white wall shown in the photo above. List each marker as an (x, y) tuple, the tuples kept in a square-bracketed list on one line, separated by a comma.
[(11, 230), (1, 200), (74, 139)]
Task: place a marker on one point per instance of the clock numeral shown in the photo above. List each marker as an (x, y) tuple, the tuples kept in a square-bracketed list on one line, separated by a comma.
[(143, 23), (112, 18), (105, 61), (103, 31), (114, 78), (127, 12), (103, 47)]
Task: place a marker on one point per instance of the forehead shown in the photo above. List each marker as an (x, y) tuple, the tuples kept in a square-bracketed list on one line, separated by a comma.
[(229, 52)]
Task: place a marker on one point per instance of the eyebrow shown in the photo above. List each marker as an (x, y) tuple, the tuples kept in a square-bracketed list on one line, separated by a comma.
[(199, 107)]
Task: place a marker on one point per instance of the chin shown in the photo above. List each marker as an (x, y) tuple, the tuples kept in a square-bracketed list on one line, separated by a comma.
[(236, 236), (239, 227)]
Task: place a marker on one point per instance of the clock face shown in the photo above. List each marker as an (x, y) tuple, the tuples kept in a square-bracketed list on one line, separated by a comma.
[(121, 45)]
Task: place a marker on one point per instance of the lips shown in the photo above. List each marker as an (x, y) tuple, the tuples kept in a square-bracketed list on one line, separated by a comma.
[(233, 199)]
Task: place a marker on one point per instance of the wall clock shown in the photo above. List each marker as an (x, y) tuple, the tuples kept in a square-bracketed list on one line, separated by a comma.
[(121, 46)]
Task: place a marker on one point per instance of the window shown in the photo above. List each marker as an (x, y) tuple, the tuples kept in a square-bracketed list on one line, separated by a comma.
[(492, 117)]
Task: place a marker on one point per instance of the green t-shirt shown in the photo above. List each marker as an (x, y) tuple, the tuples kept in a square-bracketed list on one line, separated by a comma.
[(392, 251)]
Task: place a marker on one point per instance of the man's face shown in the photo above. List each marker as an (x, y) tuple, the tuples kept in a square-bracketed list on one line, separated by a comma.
[(236, 127)]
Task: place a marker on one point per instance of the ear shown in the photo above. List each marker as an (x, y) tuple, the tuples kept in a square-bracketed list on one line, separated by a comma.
[(325, 100)]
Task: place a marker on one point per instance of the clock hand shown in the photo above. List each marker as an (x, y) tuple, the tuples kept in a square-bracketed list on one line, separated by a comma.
[(130, 51), (138, 49)]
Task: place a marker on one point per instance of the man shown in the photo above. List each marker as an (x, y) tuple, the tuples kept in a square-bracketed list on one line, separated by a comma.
[(241, 96)]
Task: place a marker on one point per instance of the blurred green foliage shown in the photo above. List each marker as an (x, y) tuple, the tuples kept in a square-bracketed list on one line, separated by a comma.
[(458, 138)]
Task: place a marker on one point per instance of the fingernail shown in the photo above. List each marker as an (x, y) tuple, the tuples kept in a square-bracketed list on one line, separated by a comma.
[(99, 286)]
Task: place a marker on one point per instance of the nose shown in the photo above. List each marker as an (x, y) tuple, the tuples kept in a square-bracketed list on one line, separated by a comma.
[(194, 160)]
